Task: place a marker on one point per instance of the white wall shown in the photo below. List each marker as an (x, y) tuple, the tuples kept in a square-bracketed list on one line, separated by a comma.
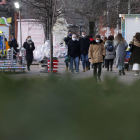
[(132, 25), (31, 29), (5, 29)]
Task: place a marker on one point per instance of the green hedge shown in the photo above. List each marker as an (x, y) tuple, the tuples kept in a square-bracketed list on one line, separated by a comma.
[(65, 109)]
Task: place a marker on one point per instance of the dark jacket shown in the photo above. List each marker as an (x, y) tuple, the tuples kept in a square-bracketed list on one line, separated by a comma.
[(29, 50), (13, 44), (135, 56), (67, 39), (74, 48), (84, 45)]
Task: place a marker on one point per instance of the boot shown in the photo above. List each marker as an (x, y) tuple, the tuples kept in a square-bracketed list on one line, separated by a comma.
[(107, 68), (120, 72), (87, 68), (83, 70), (28, 68), (123, 71), (111, 68), (66, 68)]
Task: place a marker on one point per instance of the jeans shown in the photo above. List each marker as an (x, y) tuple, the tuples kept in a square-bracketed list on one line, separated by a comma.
[(85, 60), (76, 59), (99, 66), (120, 67)]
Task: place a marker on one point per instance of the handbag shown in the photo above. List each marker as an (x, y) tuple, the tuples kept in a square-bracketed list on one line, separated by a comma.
[(131, 48), (67, 59)]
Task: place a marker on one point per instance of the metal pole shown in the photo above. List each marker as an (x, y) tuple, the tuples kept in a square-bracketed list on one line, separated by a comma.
[(129, 6), (51, 37), (118, 16), (107, 19), (20, 29)]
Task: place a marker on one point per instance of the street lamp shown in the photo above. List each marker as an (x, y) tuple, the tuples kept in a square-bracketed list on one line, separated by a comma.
[(19, 10), (80, 25)]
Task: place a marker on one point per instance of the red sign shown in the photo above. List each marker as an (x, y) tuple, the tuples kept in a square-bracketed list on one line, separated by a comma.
[(3, 2)]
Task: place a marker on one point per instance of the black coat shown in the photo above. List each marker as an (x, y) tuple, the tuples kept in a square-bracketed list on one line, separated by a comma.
[(29, 50), (67, 39), (135, 56), (74, 48), (13, 44), (84, 45)]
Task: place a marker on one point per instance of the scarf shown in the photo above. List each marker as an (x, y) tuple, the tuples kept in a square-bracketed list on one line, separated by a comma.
[(30, 43)]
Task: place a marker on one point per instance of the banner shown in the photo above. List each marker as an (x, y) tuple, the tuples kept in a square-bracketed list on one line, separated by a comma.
[(5, 21)]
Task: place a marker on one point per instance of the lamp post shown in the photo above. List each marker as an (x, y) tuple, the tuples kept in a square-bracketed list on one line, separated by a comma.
[(129, 6), (19, 10), (108, 19), (80, 25)]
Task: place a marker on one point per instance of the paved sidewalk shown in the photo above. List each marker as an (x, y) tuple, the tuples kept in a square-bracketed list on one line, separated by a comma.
[(128, 78)]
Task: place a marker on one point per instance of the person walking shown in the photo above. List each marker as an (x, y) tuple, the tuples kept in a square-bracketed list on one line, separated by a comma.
[(67, 39), (29, 46), (120, 47), (13, 44), (74, 52), (96, 54), (110, 52), (84, 47), (135, 50)]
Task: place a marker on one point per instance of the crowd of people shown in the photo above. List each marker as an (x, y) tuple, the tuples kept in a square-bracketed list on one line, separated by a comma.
[(93, 52), (98, 53)]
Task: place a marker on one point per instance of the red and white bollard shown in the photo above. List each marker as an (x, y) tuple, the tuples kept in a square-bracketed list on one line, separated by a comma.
[(55, 66)]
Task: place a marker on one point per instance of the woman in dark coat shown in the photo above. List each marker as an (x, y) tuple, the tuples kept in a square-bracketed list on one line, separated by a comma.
[(13, 44), (29, 46), (135, 56)]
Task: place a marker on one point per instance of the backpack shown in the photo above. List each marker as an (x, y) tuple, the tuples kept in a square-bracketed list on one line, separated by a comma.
[(110, 48)]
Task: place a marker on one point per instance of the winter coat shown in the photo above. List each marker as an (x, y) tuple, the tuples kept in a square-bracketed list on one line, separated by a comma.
[(29, 50), (13, 44), (109, 55), (120, 52), (96, 52), (74, 48), (84, 45), (135, 56), (67, 39)]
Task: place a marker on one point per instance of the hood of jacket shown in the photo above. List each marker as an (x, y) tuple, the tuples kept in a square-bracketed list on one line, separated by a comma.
[(135, 42), (109, 42)]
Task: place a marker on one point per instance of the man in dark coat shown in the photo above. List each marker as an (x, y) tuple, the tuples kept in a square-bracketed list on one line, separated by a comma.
[(84, 47), (74, 52), (13, 44), (29, 46), (67, 39)]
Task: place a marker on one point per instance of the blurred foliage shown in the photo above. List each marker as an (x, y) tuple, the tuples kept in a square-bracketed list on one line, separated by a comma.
[(66, 109)]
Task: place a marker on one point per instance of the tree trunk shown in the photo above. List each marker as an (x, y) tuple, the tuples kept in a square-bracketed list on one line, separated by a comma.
[(51, 45)]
